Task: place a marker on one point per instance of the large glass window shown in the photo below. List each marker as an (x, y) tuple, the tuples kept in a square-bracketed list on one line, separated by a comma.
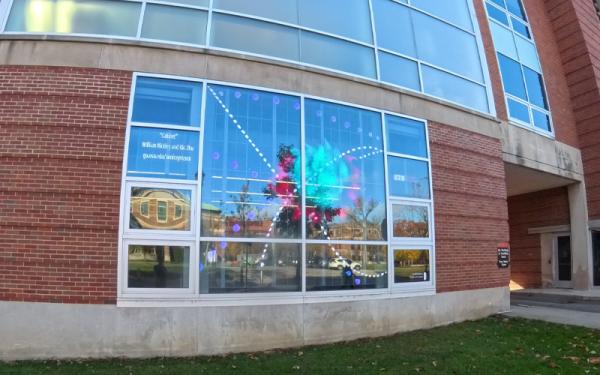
[(174, 24), (103, 17), (345, 190), (278, 208), (519, 65), (250, 267), (335, 267), (251, 164), (158, 266), (382, 40)]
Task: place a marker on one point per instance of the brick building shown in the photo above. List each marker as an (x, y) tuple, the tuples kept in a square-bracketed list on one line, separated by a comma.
[(200, 177)]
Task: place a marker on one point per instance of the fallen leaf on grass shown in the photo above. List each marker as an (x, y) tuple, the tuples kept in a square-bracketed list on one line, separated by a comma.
[(551, 364), (573, 359), (594, 361)]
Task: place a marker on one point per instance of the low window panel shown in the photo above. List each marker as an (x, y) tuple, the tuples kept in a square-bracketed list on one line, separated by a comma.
[(411, 266), (158, 266)]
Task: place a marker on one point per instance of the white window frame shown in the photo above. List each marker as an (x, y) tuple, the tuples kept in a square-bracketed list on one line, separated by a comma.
[(157, 233), (136, 297), (158, 293)]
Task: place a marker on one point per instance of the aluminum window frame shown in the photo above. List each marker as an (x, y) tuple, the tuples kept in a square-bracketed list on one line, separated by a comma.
[(486, 83), (530, 106), (160, 297)]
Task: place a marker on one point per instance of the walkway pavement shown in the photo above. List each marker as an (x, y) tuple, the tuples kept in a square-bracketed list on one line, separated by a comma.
[(561, 306)]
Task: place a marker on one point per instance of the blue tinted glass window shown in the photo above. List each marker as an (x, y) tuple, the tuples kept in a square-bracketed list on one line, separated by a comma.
[(535, 88), (344, 172), (447, 47), (408, 178), (453, 11), (518, 111), (161, 153), (504, 40), (516, 8), (399, 71), (455, 89), (167, 101), (394, 27), (174, 24), (340, 54), (263, 38), (512, 77), (541, 120), (497, 14), (251, 164), (519, 27), (406, 136), (281, 10), (500, 3), (351, 19)]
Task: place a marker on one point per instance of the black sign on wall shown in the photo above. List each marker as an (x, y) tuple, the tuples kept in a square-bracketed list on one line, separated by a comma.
[(503, 255)]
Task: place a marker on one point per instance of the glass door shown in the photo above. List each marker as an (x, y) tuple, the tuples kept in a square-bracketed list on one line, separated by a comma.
[(596, 256), (562, 261)]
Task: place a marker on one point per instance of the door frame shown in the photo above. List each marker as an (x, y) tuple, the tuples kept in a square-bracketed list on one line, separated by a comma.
[(555, 281)]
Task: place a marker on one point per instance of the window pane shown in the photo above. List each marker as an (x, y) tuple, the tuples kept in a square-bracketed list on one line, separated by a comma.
[(244, 267), (453, 11), (518, 111), (527, 53), (411, 266), (394, 27), (408, 178), (198, 3), (455, 89), (512, 77), (399, 71), (497, 14), (410, 221), (504, 41), (335, 267), (541, 120), (406, 136), (516, 8), (158, 266), (351, 19), (160, 209), (341, 55), (167, 101), (174, 24), (519, 27), (251, 164), (500, 2), (535, 88), (345, 191), (119, 18), (253, 36), (447, 47), (281, 10), (160, 153)]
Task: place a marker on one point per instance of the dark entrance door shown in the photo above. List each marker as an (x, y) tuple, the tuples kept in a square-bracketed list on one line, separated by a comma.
[(596, 255), (563, 259)]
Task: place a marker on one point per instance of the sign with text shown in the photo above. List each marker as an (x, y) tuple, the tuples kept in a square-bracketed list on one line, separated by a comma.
[(163, 153), (503, 255)]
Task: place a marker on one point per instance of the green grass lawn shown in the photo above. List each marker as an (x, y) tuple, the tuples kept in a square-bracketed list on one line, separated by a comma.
[(495, 345)]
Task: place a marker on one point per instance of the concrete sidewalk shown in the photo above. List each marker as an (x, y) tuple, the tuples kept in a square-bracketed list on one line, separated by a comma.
[(556, 315)]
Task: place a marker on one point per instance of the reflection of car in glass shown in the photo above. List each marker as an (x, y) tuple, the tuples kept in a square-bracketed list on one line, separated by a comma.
[(341, 263), (317, 262)]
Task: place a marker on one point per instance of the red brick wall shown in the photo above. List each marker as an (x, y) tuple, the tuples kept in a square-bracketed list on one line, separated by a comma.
[(60, 171), (577, 31), (471, 216), (538, 209)]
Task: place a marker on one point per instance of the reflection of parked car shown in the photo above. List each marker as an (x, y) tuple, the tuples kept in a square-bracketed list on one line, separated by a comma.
[(341, 263), (317, 262)]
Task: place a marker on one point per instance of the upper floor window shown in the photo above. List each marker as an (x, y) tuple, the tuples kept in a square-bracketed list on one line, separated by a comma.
[(427, 46), (520, 66)]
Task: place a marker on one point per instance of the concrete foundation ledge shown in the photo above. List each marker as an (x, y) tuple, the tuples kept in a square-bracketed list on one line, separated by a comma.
[(43, 330)]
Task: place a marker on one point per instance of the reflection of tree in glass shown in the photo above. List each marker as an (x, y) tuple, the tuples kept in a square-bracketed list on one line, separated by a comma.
[(411, 221), (286, 189)]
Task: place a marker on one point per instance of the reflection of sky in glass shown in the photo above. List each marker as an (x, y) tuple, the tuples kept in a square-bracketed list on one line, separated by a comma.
[(344, 172), (251, 163), (408, 178)]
